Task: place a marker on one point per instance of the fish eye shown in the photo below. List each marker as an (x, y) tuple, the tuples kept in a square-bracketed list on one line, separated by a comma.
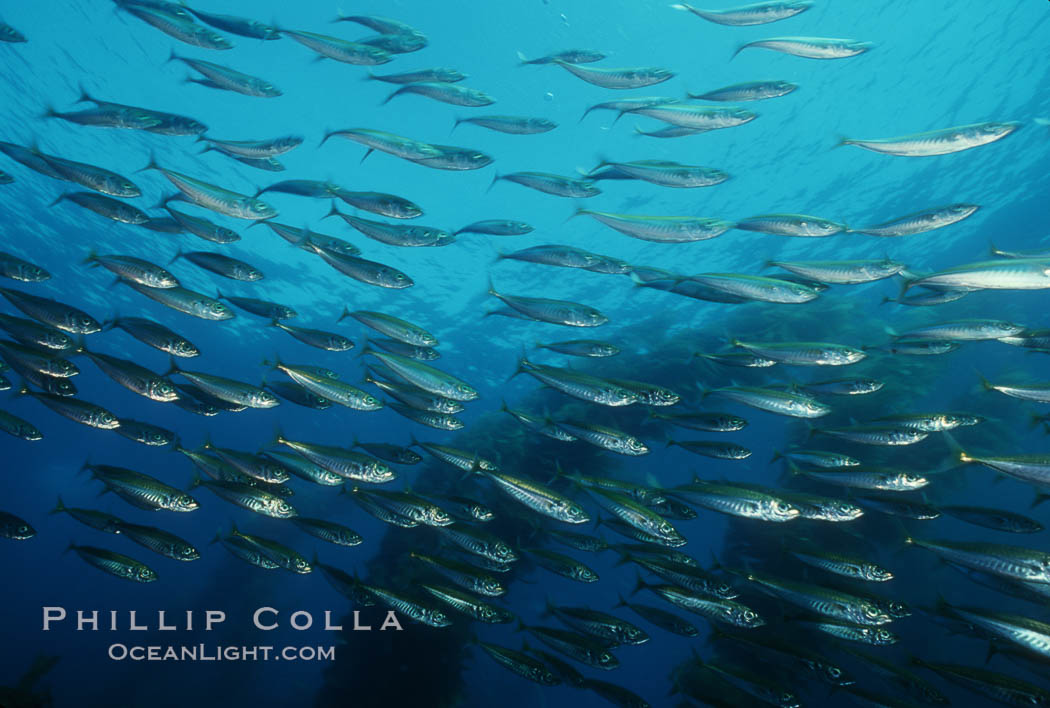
[(834, 672), (749, 615), (23, 529)]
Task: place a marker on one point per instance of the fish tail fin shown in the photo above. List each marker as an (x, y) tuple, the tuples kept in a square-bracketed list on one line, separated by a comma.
[(739, 49), (85, 97), (173, 367), (956, 449), (152, 165), (492, 288), (842, 140), (178, 254), (346, 313), (60, 198), (524, 60), (172, 56), (59, 507), (639, 584), (495, 178), (195, 481), (91, 259), (455, 124), (387, 99), (777, 455), (334, 211)]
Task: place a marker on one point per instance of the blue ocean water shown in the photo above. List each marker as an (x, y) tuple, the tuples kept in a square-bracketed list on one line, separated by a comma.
[(936, 64)]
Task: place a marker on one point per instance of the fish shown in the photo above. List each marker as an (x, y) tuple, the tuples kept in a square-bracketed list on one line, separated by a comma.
[(261, 308), (133, 269), (996, 519), (966, 330), (92, 177), (15, 528), (717, 611), (811, 47), (145, 433), (661, 229), (328, 47), (340, 461), (320, 339), (115, 564), (921, 221), (579, 385), (147, 119), (159, 541), (236, 25), (561, 312), (737, 287), (535, 496), (134, 377), (217, 199), (202, 228), (804, 353), (747, 91), (569, 56), (833, 604), (141, 490), (792, 225), (582, 347), (662, 172), (157, 335), (105, 206), (363, 270), (10, 34), (707, 422), (438, 74), (711, 448), (697, 118), (469, 605), (874, 636), (179, 27), (736, 501), (513, 125), (227, 79), (661, 618), (75, 409), (389, 205), (226, 389), (780, 402), (842, 272), (15, 268), (254, 149), (496, 227), (618, 78), (521, 664), (759, 13), (396, 234), (98, 520), (847, 566), (455, 94), (999, 687), (554, 184), (248, 497), (19, 428), (426, 377), (938, 142), (1013, 562), (1011, 274)]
